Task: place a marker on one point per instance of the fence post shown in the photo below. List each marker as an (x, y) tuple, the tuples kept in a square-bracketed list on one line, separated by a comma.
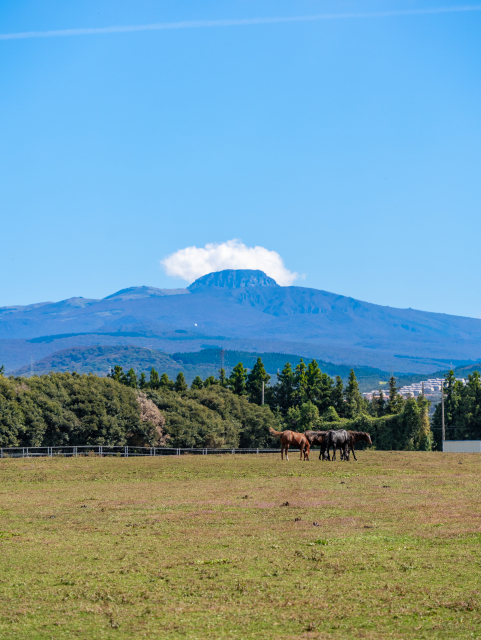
[(100, 451), (178, 452), (126, 452), (75, 451), (257, 451), (51, 454)]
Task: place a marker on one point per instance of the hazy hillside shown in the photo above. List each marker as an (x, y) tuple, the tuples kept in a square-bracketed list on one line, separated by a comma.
[(100, 359), (247, 311)]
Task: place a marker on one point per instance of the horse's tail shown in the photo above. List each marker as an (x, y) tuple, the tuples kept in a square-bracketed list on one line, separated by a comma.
[(273, 432)]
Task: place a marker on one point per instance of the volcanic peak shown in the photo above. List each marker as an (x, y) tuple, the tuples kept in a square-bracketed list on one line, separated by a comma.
[(233, 279)]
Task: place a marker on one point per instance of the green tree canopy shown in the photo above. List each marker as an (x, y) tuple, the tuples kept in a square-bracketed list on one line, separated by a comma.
[(237, 379), (337, 397), (354, 401), (180, 384), (165, 382), (284, 390), (197, 383), (256, 377), (222, 377)]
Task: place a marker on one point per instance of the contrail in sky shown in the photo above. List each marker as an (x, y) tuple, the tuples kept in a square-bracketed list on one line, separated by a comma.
[(203, 24)]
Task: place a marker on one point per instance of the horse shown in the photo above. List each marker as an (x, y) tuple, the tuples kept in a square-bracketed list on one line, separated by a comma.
[(357, 436), (292, 439), (317, 437), (337, 440)]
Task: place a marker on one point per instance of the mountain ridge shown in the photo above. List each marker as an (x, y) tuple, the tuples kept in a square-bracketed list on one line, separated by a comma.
[(256, 317)]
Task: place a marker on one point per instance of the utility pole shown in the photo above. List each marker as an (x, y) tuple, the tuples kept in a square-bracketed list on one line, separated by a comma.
[(442, 411), (262, 392)]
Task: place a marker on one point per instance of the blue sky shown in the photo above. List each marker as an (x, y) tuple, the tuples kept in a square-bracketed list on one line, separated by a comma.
[(351, 147)]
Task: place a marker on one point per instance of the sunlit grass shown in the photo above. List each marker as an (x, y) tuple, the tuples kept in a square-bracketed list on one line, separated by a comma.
[(200, 547)]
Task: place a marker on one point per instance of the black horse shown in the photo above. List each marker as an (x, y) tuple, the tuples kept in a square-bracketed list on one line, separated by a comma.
[(337, 440)]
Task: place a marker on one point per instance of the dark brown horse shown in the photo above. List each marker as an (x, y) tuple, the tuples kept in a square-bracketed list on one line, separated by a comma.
[(357, 436), (292, 439), (317, 437)]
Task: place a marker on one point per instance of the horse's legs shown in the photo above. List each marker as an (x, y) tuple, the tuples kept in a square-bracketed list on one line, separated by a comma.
[(334, 449), (282, 451), (287, 452), (352, 449)]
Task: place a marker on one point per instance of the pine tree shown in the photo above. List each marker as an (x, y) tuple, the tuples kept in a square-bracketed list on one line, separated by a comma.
[(130, 379), (180, 384), (237, 379), (255, 379), (300, 383), (154, 380), (395, 403), (337, 398), (381, 405), (2, 370), (143, 384), (166, 383), (117, 374), (284, 389), (222, 377), (354, 400), (313, 381), (197, 383), (208, 382)]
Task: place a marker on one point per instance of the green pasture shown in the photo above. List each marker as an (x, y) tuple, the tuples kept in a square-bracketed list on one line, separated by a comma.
[(226, 547)]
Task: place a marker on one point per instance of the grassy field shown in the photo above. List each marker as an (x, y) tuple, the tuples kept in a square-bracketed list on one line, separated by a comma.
[(225, 547)]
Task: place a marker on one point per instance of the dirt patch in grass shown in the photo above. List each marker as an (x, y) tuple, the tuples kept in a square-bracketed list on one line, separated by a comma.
[(200, 547)]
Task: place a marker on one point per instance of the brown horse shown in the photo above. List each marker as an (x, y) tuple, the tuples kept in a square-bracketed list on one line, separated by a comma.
[(292, 439), (317, 437), (357, 436)]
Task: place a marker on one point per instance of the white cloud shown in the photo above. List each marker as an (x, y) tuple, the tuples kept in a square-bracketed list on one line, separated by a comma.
[(192, 262)]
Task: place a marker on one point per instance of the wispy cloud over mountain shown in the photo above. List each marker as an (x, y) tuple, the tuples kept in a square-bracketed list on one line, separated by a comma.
[(192, 262)]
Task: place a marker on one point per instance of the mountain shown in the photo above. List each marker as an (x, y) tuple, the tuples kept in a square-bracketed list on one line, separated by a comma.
[(134, 293), (244, 310), (232, 279)]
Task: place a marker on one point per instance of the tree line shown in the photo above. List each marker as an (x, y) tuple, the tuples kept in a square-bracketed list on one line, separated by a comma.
[(224, 411), (306, 398), (462, 409)]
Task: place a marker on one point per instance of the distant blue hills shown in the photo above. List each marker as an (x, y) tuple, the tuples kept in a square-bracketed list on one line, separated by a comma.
[(243, 310)]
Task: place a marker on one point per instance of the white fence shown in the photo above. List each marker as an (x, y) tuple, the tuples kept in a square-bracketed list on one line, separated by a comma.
[(120, 452), (462, 446)]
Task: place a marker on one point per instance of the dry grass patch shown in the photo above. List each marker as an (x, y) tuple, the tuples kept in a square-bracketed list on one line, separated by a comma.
[(201, 547)]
